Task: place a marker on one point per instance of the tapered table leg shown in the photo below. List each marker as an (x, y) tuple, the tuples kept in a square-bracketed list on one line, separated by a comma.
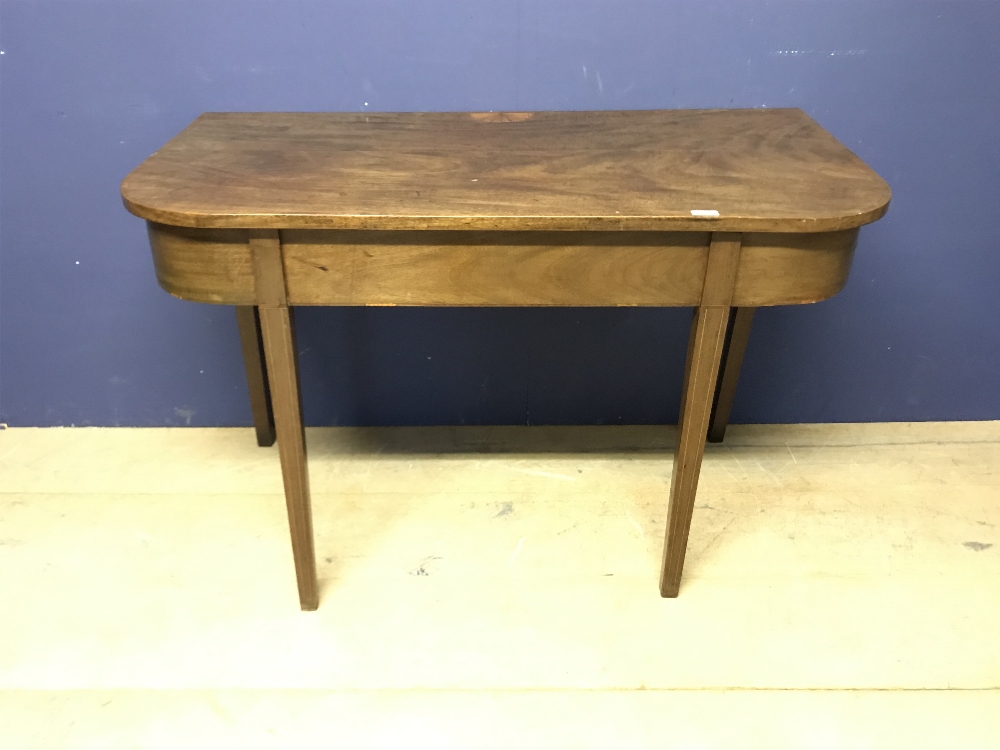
[(708, 334), (737, 334), (279, 346), (248, 320), (276, 324)]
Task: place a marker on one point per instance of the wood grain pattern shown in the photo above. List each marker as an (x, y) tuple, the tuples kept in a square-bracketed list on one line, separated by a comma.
[(335, 267), (708, 331), (252, 344), (737, 335), (277, 329), (792, 269), (773, 170), (203, 265), (720, 273), (484, 268)]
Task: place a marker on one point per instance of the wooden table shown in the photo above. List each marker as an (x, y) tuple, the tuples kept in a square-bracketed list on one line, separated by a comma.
[(720, 210)]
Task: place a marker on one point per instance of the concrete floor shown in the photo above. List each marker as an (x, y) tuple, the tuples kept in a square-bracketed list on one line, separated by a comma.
[(496, 587)]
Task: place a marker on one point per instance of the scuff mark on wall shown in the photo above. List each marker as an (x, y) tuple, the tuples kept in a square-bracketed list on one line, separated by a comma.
[(186, 414), (824, 53)]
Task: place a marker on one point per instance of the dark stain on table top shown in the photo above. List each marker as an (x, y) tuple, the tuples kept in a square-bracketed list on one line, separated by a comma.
[(771, 170)]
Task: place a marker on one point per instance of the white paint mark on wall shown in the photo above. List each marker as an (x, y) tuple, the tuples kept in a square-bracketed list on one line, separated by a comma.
[(830, 53), (185, 414)]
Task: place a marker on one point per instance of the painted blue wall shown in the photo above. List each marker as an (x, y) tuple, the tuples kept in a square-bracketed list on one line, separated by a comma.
[(89, 88)]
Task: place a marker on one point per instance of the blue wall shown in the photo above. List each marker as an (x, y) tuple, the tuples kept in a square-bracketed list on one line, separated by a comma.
[(91, 87)]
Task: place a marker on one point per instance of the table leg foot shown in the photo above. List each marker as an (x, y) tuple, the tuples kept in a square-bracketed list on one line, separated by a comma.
[(708, 331), (279, 347), (248, 320), (737, 334)]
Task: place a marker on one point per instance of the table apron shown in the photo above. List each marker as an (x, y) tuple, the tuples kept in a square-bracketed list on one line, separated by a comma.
[(472, 268)]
